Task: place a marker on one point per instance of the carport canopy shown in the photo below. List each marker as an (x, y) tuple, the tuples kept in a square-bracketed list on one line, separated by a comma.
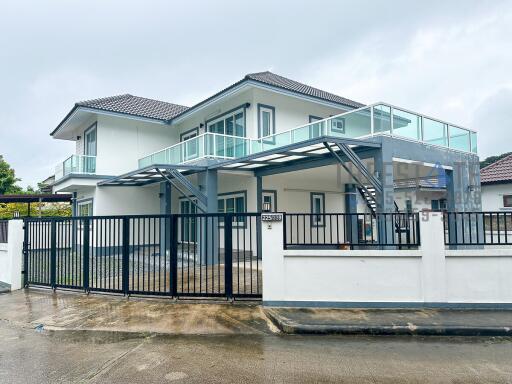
[(320, 148)]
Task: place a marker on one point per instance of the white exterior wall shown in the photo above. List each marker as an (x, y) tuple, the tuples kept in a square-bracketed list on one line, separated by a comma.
[(290, 112), (11, 256), (492, 196), (122, 142), (428, 276), (294, 190), (127, 200)]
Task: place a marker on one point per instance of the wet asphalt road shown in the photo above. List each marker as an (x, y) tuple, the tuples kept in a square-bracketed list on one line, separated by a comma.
[(31, 356)]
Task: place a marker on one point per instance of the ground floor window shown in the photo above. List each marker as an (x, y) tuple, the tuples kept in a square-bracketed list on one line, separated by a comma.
[(438, 205), (233, 203), (188, 228), (317, 209), (84, 207)]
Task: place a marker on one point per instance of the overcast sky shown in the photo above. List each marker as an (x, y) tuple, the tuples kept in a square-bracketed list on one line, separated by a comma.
[(449, 59)]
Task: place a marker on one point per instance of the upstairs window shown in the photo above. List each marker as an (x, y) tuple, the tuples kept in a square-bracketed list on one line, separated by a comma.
[(231, 123), (266, 120), (90, 142), (507, 201)]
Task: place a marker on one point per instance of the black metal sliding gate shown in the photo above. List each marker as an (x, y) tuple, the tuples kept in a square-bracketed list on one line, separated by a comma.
[(194, 255)]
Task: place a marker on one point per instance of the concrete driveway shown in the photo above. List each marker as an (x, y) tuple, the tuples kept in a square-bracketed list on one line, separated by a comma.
[(220, 343)]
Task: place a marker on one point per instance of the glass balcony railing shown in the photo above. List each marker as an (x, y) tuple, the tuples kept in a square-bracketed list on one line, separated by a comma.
[(373, 120), (207, 145), (76, 164)]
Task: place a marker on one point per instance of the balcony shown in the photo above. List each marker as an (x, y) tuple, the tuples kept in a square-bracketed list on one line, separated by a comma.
[(76, 165), (374, 120)]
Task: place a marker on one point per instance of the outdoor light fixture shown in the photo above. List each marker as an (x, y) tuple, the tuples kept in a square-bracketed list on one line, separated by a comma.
[(266, 206), (78, 137)]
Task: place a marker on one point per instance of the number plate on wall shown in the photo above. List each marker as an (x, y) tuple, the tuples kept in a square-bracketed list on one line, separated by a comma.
[(271, 217)]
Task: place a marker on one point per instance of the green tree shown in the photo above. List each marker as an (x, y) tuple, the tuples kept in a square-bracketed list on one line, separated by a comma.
[(8, 178)]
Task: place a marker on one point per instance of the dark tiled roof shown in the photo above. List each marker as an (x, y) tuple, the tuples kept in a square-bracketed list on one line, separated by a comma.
[(161, 110), (292, 85), (137, 106), (498, 172)]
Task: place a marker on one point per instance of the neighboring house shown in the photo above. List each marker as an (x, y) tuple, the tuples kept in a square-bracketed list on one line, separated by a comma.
[(265, 142), (496, 181), (46, 186)]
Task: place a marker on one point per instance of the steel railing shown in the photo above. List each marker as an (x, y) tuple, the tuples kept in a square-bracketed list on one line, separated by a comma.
[(351, 230), (478, 228)]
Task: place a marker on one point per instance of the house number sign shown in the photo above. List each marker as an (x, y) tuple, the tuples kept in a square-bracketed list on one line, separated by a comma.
[(269, 217)]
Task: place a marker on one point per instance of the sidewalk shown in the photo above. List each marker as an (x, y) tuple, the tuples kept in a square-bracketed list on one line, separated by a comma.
[(74, 311), (392, 322)]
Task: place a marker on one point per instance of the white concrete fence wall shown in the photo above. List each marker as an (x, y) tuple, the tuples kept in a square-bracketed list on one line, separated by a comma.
[(11, 256), (429, 276)]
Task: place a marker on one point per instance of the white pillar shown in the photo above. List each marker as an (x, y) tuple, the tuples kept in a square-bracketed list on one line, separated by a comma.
[(272, 258), (433, 258), (15, 254)]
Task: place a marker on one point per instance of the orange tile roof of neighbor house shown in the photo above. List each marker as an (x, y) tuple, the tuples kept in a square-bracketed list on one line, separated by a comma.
[(498, 172)]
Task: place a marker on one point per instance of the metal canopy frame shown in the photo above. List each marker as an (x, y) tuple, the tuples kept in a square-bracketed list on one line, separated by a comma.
[(149, 175), (291, 153), (320, 148)]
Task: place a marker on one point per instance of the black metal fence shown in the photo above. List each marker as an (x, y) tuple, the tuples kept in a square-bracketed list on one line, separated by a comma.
[(478, 228), (169, 255), (4, 226), (351, 230)]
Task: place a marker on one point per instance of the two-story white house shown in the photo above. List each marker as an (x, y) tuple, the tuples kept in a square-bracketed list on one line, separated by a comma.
[(263, 143)]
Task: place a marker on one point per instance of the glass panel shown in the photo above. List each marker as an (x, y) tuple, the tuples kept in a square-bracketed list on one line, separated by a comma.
[(230, 205), (474, 147), (90, 142), (239, 125), (240, 205), (277, 140), (459, 138), (303, 133), (191, 148), (406, 124), (381, 119), (240, 147), (220, 206), (435, 132), (230, 129), (217, 127), (353, 124), (265, 123)]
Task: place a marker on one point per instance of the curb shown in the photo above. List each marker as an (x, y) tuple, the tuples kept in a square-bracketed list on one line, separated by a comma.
[(292, 328)]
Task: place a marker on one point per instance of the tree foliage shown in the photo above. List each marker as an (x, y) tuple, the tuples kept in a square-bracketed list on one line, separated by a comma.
[(8, 178)]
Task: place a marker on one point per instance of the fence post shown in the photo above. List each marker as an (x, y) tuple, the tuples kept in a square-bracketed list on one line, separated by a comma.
[(53, 253), (433, 261), (25, 269), (174, 254), (228, 255), (86, 249), (126, 255), (285, 245)]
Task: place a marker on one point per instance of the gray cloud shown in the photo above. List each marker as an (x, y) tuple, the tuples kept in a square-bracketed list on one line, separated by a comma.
[(446, 58)]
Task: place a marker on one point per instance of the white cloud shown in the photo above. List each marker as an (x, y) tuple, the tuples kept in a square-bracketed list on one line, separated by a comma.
[(437, 57)]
